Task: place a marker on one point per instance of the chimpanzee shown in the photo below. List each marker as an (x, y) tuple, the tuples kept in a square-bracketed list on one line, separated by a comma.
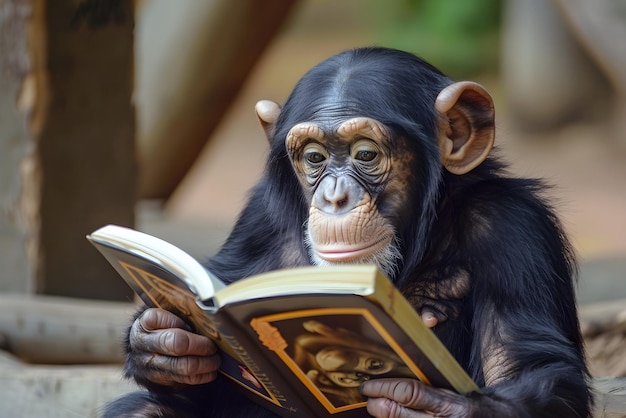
[(377, 157)]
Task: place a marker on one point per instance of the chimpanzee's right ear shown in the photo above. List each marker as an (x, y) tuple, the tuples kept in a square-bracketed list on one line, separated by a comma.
[(267, 112)]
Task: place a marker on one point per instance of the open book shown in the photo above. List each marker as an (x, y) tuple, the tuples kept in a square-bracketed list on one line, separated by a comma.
[(299, 341)]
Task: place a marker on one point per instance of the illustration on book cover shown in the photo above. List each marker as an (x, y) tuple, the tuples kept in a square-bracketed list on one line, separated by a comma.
[(333, 350)]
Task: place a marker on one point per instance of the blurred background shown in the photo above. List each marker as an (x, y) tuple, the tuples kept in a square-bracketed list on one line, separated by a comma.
[(555, 105), (557, 85), (142, 114)]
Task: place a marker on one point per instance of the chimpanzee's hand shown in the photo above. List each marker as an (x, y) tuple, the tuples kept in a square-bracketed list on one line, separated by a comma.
[(410, 398), (163, 351)]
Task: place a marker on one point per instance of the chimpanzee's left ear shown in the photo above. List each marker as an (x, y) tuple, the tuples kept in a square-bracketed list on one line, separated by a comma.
[(267, 112), (467, 128)]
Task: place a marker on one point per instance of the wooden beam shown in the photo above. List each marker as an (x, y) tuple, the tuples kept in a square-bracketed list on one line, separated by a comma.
[(189, 77)]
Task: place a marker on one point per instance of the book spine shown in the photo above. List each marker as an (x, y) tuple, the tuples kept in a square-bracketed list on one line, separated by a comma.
[(249, 369)]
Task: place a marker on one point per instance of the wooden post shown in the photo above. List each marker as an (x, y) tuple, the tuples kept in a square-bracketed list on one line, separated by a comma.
[(67, 138)]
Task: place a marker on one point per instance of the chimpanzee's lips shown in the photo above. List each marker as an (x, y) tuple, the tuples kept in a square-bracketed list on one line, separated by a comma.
[(341, 253)]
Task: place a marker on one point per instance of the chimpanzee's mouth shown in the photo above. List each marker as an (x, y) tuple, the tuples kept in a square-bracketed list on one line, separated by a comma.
[(338, 253)]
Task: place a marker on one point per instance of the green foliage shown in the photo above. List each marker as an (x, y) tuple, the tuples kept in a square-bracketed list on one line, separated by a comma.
[(461, 37)]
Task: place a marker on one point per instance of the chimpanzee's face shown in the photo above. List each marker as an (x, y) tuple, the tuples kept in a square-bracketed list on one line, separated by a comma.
[(347, 168)]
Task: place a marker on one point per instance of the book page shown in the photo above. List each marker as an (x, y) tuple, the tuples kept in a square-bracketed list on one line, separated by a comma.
[(347, 279), (170, 256)]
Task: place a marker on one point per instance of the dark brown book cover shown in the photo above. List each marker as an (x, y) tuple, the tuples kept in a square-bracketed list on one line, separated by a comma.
[(300, 341)]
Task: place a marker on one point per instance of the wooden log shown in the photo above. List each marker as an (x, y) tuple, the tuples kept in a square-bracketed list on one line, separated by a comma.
[(600, 317), (603, 327), (610, 396), (34, 391), (57, 330)]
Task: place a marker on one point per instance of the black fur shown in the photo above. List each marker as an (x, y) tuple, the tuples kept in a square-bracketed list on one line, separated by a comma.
[(497, 229)]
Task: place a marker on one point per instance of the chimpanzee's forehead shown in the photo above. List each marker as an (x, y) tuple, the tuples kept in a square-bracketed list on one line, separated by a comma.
[(343, 119), (330, 113), (346, 130)]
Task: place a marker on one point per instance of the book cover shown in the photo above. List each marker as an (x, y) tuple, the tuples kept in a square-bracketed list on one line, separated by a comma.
[(300, 341)]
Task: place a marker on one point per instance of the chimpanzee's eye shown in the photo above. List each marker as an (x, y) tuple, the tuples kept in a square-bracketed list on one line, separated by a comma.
[(365, 155), (365, 150), (314, 157), (314, 153)]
